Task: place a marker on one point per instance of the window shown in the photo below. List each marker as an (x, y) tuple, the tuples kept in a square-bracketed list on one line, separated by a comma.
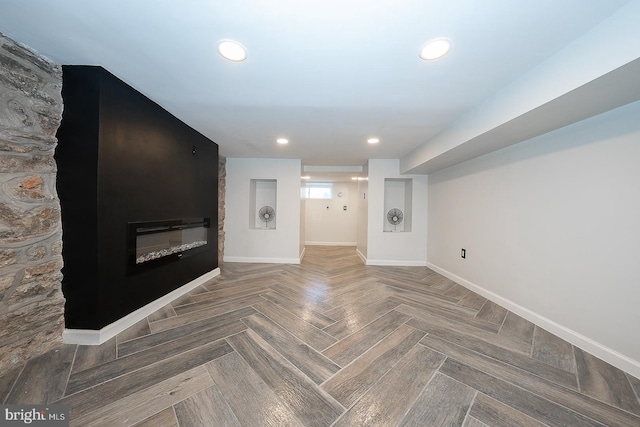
[(318, 190)]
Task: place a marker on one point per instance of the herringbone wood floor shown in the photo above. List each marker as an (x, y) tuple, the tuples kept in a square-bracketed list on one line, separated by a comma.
[(330, 342)]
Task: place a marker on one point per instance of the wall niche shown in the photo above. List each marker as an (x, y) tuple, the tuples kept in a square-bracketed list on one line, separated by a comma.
[(397, 204), (263, 195), (123, 159)]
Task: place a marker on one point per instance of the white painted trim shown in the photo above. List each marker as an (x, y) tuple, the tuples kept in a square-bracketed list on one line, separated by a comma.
[(585, 343), (93, 337), (262, 260), (396, 263), (302, 253), (362, 257), (331, 243)]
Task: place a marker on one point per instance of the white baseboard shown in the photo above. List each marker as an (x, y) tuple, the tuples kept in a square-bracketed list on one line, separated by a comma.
[(396, 263), (361, 255), (314, 243), (302, 253), (93, 337), (585, 343), (262, 260)]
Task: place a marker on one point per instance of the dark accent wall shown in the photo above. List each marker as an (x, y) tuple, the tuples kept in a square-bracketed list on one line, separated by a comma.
[(123, 158)]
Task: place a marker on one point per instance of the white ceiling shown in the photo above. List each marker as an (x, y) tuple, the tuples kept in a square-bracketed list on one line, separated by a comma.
[(325, 74)]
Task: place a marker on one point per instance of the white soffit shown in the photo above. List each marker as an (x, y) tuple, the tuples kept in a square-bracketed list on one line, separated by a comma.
[(594, 74)]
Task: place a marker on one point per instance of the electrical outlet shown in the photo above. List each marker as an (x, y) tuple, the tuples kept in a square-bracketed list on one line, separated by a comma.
[(463, 253)]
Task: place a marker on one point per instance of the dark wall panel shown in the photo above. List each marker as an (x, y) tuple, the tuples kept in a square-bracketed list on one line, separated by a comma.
[(76, 183), (146, 171)]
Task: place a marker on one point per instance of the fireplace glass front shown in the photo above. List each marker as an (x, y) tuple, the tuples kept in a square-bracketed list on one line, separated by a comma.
[(155, 243)]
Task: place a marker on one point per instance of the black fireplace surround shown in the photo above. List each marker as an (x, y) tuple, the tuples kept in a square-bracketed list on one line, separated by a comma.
[(128, 168)]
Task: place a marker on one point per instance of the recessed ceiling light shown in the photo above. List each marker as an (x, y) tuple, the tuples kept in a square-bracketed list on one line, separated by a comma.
[(232, 50), (373, 140), (305, 177), (282, 141), (435, 49)]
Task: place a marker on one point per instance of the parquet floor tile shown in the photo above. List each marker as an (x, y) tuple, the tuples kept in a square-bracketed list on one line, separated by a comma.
[(329, 342)]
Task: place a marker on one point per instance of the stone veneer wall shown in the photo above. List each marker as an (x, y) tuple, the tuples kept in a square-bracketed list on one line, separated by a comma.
[(31, 300), (222, 183)]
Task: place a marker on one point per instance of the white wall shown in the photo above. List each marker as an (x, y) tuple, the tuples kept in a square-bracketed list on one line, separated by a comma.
[(333, 226), (551, 227), (363, 215), (246, 244), (401, 248), (303, 214)]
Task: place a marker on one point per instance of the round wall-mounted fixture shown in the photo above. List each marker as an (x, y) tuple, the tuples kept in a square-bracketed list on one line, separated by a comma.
[(435, 49), (232, 50)]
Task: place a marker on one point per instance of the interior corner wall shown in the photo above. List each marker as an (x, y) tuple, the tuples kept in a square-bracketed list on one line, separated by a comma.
[(401, 248), (246, 244), (327, 222), (551, 229), (363, 215), (303, 235)]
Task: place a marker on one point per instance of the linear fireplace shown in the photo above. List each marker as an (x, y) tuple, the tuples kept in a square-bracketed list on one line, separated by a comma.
[(155, 243)]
